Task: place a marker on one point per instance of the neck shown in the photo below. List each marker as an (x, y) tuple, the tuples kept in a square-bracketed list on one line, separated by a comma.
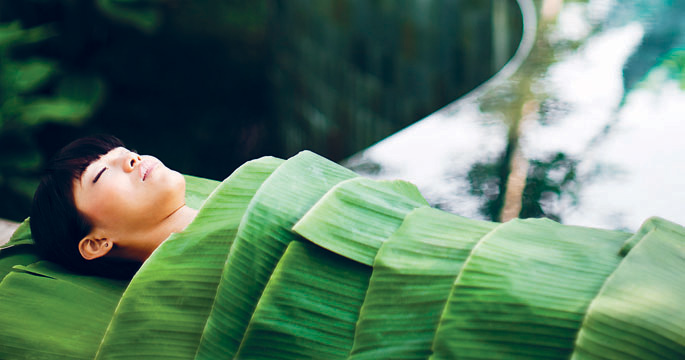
[(140, 244)]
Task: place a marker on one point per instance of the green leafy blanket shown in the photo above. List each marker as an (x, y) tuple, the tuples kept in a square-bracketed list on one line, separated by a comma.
[(303, 259)]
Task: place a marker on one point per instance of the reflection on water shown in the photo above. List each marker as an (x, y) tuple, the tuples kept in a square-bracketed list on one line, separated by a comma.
[(640, 162), (585, 130), (453, 148)]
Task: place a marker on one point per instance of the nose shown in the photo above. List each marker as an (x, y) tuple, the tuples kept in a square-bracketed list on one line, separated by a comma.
[(131, 161)]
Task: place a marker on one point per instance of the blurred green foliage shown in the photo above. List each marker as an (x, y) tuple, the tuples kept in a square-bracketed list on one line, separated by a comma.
[(33, 92), (166, 76), (143, 15)]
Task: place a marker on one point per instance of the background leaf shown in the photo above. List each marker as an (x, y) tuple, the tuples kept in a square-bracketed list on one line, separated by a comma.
[(29, 75)]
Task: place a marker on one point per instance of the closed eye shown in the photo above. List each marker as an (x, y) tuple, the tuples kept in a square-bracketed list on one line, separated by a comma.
[(98, 175)]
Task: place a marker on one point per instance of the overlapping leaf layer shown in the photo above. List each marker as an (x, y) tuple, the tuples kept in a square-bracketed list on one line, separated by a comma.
[(302, 259)]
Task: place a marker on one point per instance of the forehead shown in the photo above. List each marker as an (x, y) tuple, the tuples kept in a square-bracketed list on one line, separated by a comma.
[(112, 153), (94, 164)]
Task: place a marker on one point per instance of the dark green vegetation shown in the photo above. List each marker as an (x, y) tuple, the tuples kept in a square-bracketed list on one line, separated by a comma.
[(303, 259), (166, 77)]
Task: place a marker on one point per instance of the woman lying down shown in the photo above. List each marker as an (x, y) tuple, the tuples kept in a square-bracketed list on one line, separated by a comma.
[(103, 209), (302, 258)]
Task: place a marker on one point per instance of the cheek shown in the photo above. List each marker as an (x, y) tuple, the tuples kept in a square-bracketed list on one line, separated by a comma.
[(112, 204)]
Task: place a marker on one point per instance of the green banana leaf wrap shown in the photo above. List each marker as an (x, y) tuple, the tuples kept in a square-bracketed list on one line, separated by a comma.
[(303, 259)]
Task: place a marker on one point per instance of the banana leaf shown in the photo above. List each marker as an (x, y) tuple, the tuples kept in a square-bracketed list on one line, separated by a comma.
[(524, 289), (20, 236), (358, 215), (639, 312), (16, 255), (262, 238), (50, 313), (309, 307), (19, 250), (198, 189), (412, 277)]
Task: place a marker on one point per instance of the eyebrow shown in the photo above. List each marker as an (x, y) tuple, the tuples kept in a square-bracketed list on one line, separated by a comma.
[(98, 175)]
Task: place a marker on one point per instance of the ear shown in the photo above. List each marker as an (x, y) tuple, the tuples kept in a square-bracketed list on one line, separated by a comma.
[(91, 247)]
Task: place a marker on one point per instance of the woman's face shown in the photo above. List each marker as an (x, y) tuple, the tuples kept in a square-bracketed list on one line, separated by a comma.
[(124, 189)]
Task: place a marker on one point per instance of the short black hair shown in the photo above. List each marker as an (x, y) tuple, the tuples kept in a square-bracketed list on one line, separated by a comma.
[(56, 224)]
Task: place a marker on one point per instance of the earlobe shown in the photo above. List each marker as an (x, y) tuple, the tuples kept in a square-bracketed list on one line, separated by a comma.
[(92, 248)]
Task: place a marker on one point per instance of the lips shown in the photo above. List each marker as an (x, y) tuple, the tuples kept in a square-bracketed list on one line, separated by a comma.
[(146, 167)]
